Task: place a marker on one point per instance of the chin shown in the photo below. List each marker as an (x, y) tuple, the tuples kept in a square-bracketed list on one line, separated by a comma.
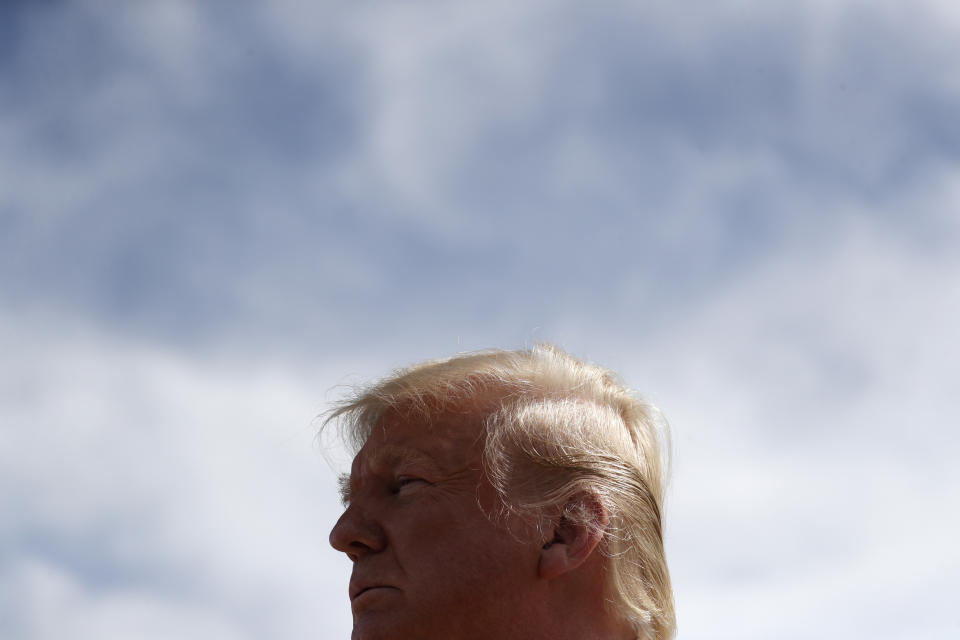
[(379, 626)]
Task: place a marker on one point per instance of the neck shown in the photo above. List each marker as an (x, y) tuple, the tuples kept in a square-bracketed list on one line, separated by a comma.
[(577, 609)]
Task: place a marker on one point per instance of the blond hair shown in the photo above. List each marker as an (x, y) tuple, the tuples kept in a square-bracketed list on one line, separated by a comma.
[(557, 429)]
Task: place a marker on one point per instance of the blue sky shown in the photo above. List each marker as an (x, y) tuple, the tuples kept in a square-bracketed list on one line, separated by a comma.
[(213, 215)]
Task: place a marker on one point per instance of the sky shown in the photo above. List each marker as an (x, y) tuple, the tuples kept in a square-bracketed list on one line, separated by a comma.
[(217, 217)]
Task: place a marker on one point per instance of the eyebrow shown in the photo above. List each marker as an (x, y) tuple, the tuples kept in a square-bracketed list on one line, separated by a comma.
[(386, 457), (344, 489)]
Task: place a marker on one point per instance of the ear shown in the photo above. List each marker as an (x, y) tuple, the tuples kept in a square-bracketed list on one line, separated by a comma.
[(576, 533)]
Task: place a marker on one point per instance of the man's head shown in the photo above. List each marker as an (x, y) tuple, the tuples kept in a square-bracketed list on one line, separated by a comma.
[(504, 494)]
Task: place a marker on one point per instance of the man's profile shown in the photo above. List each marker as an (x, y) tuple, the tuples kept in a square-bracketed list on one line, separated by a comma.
[(504, 494)]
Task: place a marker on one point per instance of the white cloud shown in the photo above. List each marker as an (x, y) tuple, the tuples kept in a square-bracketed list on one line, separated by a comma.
[(811, 401), (154, 490), (750, 211), (41, 602), (815, 460)]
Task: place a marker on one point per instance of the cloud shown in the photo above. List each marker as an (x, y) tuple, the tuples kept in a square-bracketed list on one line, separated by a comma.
[(41, 589), (813, 443), (211, 215), (196, 176), (158, 489), (147, 490)]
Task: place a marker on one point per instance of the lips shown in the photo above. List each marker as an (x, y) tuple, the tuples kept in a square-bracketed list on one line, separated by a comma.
[(358, 587)]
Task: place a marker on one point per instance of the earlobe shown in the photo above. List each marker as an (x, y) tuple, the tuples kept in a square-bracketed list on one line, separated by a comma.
[(575, 536)]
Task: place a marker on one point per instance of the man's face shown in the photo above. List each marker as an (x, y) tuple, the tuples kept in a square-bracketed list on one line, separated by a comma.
[(428, 562)]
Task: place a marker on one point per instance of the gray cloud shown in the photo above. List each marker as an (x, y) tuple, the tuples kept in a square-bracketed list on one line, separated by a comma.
[(187, 174), (209, 216)]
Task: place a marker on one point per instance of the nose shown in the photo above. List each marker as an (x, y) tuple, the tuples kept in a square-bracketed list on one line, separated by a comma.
[(357, 534)]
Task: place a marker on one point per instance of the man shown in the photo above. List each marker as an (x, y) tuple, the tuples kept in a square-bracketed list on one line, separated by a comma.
[(501, 495)]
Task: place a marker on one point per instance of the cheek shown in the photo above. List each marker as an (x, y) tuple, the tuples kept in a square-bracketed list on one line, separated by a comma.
[(464, 542), (484, 553)]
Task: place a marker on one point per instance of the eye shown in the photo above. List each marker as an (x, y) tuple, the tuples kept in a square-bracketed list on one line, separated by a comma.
[(404, 484)]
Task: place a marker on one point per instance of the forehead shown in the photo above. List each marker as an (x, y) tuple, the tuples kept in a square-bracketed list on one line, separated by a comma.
[(448, 441)]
